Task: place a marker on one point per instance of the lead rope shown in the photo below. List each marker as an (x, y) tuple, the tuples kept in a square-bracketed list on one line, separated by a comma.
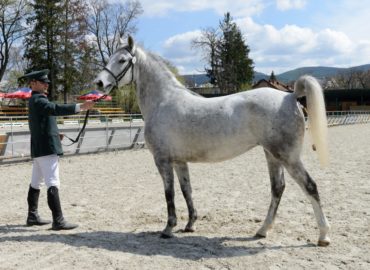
[(84, 124)]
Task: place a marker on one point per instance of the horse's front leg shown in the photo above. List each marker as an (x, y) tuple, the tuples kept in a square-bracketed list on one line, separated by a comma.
[(166, 171), (182, 172)]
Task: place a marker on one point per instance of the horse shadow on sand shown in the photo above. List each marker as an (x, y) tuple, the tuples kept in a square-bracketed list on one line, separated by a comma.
[(184, 246)]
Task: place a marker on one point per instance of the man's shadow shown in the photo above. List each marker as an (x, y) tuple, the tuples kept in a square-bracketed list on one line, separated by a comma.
[(185, 246)]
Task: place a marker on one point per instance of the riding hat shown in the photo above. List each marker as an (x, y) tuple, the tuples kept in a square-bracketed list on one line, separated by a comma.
[(38, 75)]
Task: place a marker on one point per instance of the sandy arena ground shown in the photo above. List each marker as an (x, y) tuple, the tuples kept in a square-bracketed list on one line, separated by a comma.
[(118, 201)]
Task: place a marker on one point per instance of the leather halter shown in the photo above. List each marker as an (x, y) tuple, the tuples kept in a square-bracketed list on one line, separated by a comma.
[(120, 75)]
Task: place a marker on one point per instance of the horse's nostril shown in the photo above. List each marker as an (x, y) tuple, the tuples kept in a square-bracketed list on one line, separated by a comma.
[(99, 84)]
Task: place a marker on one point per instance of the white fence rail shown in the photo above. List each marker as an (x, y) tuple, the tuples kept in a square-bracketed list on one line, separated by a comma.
[(106, 133), (348, 117), (102, 133)]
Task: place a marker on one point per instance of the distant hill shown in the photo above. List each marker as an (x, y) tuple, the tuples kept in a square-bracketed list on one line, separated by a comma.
[(317, 72), (259, 76), (292, 75), (196, 79)]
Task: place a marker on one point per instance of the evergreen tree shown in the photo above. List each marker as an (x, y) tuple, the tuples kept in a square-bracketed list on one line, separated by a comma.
[(235, 68), (43, 43), (57, 42), (273, 77)]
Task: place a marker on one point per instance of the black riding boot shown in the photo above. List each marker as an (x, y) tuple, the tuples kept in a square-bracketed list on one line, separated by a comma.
[(59, 223), (33, 217)]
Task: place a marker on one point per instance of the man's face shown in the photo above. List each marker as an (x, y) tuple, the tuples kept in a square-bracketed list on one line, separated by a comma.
[(39, 86)]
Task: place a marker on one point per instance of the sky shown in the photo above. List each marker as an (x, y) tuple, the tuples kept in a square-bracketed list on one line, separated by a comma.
[(281, 34)]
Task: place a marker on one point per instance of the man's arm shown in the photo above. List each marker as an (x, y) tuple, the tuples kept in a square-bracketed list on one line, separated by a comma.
[(44, 106)]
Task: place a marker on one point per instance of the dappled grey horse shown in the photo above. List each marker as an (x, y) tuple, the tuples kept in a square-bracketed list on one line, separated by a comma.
[(182, 127)]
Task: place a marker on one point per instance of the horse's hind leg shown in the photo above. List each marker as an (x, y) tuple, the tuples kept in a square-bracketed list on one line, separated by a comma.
[(300, 175), (166, 171), (276, 173), (182, 172)]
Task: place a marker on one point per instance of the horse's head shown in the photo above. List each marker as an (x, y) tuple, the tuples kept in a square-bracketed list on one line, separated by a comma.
[(119, 70)]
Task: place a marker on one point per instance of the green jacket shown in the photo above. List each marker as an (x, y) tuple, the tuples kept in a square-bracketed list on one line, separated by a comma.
[(43, 125)]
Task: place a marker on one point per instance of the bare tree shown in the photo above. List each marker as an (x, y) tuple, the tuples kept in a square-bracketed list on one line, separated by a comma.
[(16, 66), (74, 47), (349, 79), (362, 79), (108, 22), (330, 83), (367, 79), (208, 42), (12, 14), (346, 80), (17, 62)]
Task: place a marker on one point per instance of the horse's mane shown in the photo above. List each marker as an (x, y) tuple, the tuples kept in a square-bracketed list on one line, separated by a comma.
[(164, 65)]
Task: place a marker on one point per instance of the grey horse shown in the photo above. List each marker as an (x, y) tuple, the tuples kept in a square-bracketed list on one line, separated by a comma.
[(182, 127)]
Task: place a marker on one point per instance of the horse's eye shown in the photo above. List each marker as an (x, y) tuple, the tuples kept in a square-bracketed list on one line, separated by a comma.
[(121, 61)]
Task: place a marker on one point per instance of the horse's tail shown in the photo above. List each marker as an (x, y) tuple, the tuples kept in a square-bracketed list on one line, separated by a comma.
[(309, 87)]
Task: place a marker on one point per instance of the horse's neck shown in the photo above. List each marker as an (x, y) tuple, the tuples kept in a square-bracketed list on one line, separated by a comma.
[(154, 82)]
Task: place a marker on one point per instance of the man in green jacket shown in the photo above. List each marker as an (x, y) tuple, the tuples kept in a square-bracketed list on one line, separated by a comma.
[(46, 149)]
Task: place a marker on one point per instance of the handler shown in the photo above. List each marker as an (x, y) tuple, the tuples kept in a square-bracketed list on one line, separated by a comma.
[(46, 149)]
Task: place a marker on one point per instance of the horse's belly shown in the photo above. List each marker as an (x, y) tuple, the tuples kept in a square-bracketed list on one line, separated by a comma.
[(211, 151), (217, 155)]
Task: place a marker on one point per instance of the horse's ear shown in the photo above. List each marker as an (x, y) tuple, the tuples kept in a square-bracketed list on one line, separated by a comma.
[(131, 43)]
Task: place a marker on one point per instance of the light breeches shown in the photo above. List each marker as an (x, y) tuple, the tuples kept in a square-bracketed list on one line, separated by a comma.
[(46, 169)]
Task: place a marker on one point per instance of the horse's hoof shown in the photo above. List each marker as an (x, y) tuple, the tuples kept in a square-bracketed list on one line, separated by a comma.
[(166, 235), (190, 229), (323, 243), (261, 233), (258, 235)]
